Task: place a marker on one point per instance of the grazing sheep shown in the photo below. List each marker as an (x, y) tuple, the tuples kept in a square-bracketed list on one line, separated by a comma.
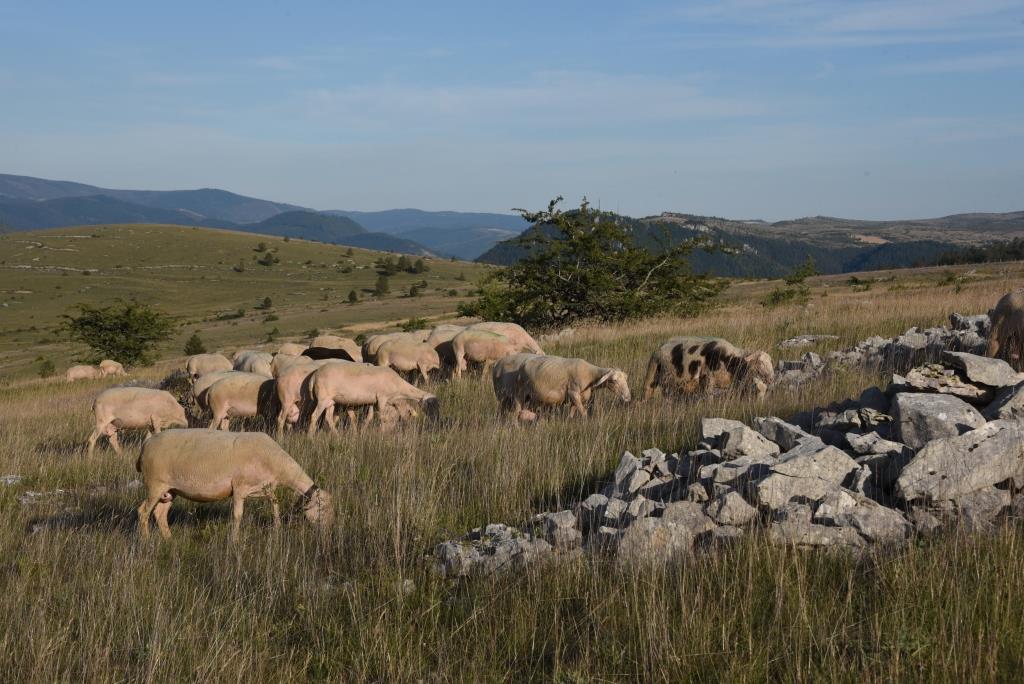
[(255, 362), (354, 385), (1006, 340), (204, 465), (407, 356), (108, 367), (133, 407), (291, 348), (697, 365), (373, 342), (283, 362), (240, 396), (440, 339), (84, 373), (336, 342), (513, 332), (533, 381), (201, 364), (201, 386), (480, 347), (320, 353), (289, 388)]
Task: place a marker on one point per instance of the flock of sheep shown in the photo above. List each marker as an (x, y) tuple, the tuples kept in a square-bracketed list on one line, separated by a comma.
[(304, 386)]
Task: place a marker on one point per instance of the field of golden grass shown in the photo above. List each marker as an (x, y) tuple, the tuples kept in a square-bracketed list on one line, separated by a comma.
[(85, 599)]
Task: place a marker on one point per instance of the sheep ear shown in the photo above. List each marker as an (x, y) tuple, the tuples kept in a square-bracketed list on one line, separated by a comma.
[(604, 378)]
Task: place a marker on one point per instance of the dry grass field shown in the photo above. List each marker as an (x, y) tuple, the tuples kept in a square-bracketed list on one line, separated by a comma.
[(84, 599)]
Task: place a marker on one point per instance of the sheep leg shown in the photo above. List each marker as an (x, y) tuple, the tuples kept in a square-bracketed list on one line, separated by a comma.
[(329, 419), (92, 439), (577, 404), (152, 499), (276, 508), (314, 419), (112, 438), (350, 417), (156, 425), (423, 374), (281, 416), (238, 504), (160, 513)]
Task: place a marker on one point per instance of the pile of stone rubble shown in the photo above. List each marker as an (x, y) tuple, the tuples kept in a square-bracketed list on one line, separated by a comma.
[(912, 348), (942, 445)]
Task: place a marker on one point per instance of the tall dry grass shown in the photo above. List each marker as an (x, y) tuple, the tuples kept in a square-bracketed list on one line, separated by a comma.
[(84, 599)]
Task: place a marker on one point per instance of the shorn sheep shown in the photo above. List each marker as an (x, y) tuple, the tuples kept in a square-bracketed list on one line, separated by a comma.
[(209, 465)]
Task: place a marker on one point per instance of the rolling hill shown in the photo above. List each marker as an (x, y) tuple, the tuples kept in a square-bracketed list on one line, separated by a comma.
[(204, 277)]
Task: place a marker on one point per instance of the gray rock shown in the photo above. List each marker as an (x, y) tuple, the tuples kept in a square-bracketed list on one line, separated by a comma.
[(779, 431), (455, 559), (606, 538), (925, 522), (872, 443), (942, 380), (885, 468), (731, 509), (836, 503), (10, 479), (721, 537), (661, 539), (712, 428), (979, 510), (560, 520), (564, 538), (951, 467), (591, 510), (696, 493), (793, 512), (805, 478), (805, 446), (613, 512), (980, 323), (982, 370), (829, 464), (640, 507), (874, 522), (921, 418), (737, 472), (1007, 403), (808, 535), (629, 475), (805, 341), (743, 441), (494, 549)]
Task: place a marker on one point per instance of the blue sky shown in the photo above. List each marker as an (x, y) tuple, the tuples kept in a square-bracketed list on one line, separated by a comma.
[(743, 108)]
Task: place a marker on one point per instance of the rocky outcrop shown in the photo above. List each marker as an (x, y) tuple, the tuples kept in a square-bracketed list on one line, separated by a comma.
[(861, 472)]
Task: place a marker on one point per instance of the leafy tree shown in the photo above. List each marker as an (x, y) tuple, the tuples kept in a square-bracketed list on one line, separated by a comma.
[(420, 266), (125, 331), (414, 290), (265, 304), (349, 252), (195, 345), (404, 264), (273, 334), (382, 287), (353, 296), (584, 265), (261, 247), (386, 266)]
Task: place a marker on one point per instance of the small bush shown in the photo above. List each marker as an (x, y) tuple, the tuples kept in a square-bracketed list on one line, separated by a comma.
[(786, 295), (45, 368), (270, 318), (194, 345), (382, 287), (353, 296), (415, 324)]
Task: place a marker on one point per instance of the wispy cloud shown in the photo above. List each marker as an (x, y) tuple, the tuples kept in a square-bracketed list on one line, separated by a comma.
[(960, 65)]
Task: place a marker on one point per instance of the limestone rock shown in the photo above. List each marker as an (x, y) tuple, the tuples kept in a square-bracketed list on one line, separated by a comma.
[(921, 418), (951, 467), (809, 535), (942, 380), (982, 370), (731, 509), (779, 431), (1008, 403)]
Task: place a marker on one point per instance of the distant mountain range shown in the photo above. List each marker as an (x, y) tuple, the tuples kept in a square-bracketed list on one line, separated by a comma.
[(28, 203), (759, 248)]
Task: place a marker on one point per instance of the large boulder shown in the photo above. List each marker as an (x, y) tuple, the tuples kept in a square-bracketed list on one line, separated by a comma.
[(743, 441), (804, 478), (713, 428), (731, 509), (779, 431), (951, 467), (982, 370), (921, 418), (874, 522)]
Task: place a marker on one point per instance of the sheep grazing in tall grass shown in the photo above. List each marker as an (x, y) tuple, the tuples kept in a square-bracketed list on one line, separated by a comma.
[(199, 365), (357, 385), (136, 408), (206, 465), (699, 365), (525, 383)]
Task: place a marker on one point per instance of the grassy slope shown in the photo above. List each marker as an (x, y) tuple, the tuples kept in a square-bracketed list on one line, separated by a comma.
[(84, 599), (188, 272)]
